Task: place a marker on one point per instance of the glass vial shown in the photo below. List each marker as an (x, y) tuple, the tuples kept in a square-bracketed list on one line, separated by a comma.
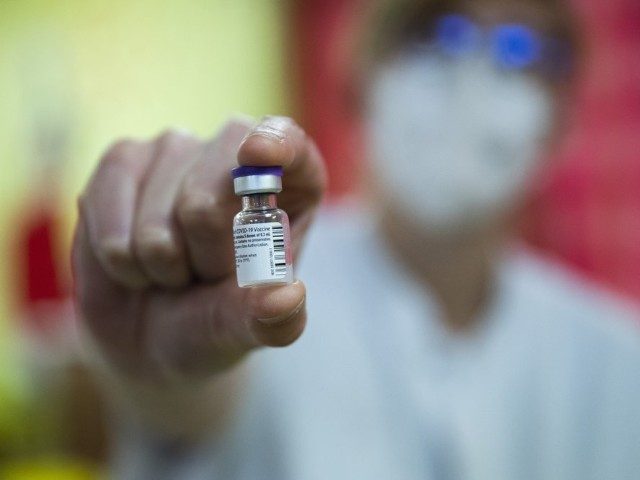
[(261, 234)]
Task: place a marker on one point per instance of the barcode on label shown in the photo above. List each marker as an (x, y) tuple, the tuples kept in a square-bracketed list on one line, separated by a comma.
[(279, 254)]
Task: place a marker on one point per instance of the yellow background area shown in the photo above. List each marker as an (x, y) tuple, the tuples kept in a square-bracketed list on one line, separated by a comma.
[(103, 69), (87, 72)]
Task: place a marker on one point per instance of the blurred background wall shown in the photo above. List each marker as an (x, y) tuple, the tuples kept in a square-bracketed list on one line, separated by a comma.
[(587, 211)]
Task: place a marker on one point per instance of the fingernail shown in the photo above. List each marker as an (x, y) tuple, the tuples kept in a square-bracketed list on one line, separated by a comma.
[(266, 131), (270, 127), (283, 318)]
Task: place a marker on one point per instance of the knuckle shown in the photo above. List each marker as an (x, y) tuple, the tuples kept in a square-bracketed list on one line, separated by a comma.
[(156, 246), (115, 253), (120, 152), (123, 158), (201, 215), (125, 155), (174, 140)]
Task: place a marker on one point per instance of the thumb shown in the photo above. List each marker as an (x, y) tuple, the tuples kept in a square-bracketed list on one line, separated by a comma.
[(209, 328)]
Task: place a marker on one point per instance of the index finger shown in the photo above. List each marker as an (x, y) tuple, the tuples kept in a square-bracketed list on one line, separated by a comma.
[(280, 141)]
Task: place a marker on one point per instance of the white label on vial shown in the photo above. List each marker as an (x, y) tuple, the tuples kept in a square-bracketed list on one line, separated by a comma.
[(260, 252)]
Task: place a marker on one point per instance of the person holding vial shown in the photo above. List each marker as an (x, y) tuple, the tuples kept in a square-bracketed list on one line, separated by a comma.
[(434, 350)]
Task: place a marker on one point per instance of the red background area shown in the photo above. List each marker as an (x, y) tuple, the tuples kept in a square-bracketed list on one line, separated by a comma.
[(588, 209)]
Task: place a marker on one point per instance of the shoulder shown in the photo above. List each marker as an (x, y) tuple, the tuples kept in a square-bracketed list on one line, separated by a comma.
[(565, 304)]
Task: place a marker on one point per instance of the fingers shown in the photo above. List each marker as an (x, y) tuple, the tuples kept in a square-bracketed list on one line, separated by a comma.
[(109, 205), (158, 243), (206, 204), (206, 329), (159, 212), (191, 332), (280, 141), (110, 311)]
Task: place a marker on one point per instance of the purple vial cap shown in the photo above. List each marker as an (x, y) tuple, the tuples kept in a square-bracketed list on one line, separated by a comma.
[(246, 171)]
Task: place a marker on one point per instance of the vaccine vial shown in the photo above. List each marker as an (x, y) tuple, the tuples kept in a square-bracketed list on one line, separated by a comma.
[(261, 230)]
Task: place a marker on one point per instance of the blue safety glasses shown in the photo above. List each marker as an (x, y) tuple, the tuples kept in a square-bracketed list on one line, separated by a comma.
[(513, 46)]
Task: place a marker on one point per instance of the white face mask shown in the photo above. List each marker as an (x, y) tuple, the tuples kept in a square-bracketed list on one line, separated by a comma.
[(455, 142)]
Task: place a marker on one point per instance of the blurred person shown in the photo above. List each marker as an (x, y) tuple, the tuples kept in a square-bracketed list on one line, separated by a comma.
[(435, 347)]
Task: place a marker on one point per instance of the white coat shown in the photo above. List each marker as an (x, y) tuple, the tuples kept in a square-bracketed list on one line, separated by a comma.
[(377, 389)]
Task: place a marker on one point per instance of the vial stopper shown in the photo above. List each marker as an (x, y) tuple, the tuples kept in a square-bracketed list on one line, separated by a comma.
[(251, 179)]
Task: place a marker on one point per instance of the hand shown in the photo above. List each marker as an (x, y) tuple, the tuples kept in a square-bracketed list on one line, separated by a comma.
[(153, 255)]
